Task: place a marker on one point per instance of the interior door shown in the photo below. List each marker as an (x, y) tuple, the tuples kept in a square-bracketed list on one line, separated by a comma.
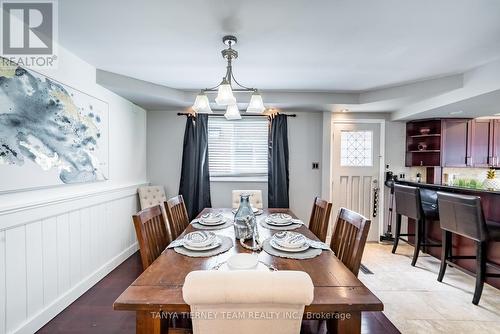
[(355, 169)]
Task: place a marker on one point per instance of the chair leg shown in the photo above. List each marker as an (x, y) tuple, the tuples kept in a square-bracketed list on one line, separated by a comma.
[(397, 232), (480, 271), (418, 239), (445, 253)]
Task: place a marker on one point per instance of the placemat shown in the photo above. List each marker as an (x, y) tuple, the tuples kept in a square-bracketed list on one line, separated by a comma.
[(280, 228), (226, 244), (307, 254), (197, 225)]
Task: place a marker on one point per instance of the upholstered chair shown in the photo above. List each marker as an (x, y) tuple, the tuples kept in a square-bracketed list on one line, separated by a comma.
[(224, 302), (255, 198), (150, 196)]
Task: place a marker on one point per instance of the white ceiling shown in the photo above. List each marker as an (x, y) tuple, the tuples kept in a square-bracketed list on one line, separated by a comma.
[(321, 45)]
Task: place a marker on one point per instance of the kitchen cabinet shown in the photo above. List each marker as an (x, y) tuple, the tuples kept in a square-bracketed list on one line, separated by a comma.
[(480, 143), (495, 142), (456, 141), (423, 143)]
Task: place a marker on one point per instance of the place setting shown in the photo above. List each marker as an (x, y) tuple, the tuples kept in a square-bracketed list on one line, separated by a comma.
[(201, 244), (281, 222), (293, 245), (256, 211), (212, 221), (244, 261)]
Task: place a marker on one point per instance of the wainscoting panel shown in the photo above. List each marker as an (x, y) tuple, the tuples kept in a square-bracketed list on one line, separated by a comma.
[(49, 261)]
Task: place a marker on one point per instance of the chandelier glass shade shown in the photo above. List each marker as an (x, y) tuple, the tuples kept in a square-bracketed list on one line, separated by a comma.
[(256, 105), (201, 104), (225, 95), (225, 89), (232, 112)]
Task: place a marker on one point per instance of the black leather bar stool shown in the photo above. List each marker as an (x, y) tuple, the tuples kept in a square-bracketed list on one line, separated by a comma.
[(409, 204), (463, 215)]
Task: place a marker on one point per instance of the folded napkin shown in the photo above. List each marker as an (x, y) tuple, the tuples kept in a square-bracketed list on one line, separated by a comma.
[(317, 244), (176, 243)]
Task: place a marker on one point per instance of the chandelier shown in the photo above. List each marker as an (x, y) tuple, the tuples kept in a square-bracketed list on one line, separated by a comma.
[(225, 89)]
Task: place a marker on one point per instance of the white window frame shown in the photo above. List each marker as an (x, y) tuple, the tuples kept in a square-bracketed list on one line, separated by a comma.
[(244, 177)]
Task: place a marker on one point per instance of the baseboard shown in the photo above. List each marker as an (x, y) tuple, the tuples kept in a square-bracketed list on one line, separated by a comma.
[(45, 315)]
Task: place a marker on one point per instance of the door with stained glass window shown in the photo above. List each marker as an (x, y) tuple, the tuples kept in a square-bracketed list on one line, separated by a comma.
[(356, 162)]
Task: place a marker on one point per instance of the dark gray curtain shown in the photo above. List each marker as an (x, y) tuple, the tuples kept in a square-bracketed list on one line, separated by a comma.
[(195, 180), (278, 179)]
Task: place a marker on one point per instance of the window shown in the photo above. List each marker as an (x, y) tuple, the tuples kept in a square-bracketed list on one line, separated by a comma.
[(237, 148), (356, 148)]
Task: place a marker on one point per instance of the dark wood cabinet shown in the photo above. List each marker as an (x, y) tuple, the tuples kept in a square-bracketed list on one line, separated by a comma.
[(455, 143), (480, 138), (495, 142), (423, 143)]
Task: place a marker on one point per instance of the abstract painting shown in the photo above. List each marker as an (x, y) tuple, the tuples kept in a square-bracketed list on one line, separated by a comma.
[(50, 133)]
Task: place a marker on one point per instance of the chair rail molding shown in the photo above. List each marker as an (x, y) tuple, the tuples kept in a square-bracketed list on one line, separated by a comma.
[(54, 250)]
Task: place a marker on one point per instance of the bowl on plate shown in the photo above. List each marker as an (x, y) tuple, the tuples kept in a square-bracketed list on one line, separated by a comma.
[(290, 240), (199, 238), (243, 261), (212, 217), (280, 218)]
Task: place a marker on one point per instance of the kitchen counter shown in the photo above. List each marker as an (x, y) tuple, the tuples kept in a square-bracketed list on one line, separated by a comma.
[(490, 201), (452, 189)]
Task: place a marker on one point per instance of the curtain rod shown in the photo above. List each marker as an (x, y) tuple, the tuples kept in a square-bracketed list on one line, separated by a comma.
[(242, 115)]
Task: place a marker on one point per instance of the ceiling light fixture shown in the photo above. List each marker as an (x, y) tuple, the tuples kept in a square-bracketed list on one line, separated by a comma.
[(225, 90)]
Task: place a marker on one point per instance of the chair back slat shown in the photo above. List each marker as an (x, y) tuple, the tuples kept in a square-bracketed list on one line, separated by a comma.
[(151, 234), (177, 215), (320, 216), (349, 238)]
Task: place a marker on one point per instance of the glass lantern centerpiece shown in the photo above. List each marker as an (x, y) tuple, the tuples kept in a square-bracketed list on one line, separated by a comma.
[(244, 220)]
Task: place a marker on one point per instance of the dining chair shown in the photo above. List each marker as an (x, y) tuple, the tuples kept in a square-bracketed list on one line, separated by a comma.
[(320, 217), (349, 238), (255, 198), (151, 233), (231, 308), (177, 215), (152, 196)]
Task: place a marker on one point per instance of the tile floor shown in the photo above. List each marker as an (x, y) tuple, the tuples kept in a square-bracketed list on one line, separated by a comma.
[(415, 302)]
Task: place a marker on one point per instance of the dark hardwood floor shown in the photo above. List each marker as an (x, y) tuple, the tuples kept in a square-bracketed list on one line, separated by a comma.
[(93, 311)]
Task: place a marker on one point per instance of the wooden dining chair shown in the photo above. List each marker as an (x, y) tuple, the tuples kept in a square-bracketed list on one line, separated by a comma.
[(151, 233), (349, 238), (177, 215), (320, 216)]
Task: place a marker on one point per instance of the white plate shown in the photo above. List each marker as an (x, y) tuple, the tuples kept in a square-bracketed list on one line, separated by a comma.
[(217, 242), (210, 223), (212, 217), (199, 238), (255, 211), (260, 266), (289, 239), (290, 250), (243, 261), (280, 218), (274, 223)]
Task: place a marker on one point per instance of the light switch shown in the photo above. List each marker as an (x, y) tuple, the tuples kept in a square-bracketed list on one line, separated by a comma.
[(315, 165)]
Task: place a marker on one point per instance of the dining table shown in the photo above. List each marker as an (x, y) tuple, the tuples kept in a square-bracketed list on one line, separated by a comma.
[(339, 296)]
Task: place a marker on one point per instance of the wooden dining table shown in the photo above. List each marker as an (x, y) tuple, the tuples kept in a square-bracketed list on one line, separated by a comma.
[(339, 296)]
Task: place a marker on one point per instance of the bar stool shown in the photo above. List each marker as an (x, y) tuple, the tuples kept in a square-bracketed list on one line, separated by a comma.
[(463, 215), (409, 204)]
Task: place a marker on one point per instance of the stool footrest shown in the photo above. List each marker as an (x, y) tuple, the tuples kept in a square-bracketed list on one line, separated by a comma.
[(461, 257), (406, 235)]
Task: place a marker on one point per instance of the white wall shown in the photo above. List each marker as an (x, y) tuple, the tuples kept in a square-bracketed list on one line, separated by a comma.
[(57, 242), (165, 138)]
